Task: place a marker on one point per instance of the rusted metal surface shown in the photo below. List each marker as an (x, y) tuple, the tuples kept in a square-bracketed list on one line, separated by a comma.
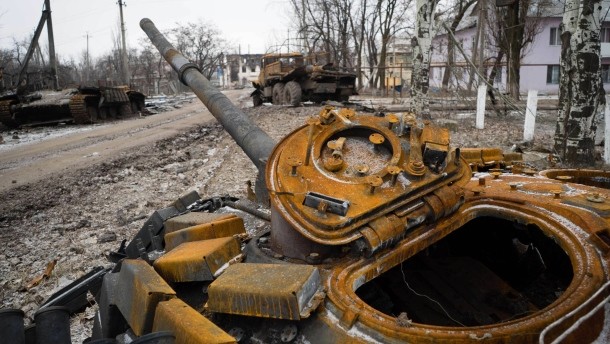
[(596, 178), (6, 116), (115, 95), (285, 78), (78, 108), (483, 159), (193, 219), (573, 326), (277, 291), (570, 227), (332, 206), (216, 229), (594, 202), (198, 260), (188, 325), (141, 289)]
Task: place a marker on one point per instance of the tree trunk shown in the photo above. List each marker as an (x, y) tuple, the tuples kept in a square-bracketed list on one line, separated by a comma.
[(514, 66), (515, 21), (463, 7), (360, 43), (450, 62), (421, 42), (382, 58), (476, 51), (581, 92), (493, 74)]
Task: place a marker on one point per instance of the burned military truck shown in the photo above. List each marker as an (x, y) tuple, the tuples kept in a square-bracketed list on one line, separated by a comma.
[(379, 232), (291, 79)]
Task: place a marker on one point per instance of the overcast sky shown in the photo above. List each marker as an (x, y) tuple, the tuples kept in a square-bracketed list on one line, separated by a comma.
[(255, 24)]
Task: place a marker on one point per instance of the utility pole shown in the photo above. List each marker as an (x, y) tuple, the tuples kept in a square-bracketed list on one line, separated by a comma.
[(87, 65), (22, 78), (124, 52), (52, 61)]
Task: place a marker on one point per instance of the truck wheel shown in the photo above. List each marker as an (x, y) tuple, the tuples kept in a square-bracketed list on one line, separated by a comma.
[(292, 93), (257, 100), (278, 93)]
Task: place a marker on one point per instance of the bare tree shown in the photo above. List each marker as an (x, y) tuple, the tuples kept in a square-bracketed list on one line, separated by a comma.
[(325, 26), (202, 43), (387, 20), (459, 10), (372, 47), (342, 14), (358, 28), (151, 66), (10, 65), (351, 32), (581, 92), (517, 28)]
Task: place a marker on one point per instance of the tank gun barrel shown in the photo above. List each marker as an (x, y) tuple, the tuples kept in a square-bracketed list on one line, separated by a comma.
[(256, 143)]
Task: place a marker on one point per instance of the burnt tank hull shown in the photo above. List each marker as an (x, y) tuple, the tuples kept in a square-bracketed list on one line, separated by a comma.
[(81, 106)]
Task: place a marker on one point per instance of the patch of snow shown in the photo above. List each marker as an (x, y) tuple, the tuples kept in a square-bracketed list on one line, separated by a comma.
[(39, 134)]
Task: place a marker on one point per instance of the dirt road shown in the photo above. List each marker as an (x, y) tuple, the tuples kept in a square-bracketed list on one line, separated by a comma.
[(32, 162)]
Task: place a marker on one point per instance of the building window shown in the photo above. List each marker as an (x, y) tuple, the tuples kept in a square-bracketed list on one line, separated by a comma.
[(554, 38), (243, 69), (606, 73), (552, 74), (604, 35), (498, 79)]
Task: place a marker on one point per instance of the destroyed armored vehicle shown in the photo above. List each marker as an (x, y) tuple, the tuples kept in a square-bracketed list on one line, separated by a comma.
[(288, 79), (379, 232), (80, 106)]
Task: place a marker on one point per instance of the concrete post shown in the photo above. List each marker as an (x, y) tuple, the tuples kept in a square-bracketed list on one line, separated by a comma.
[(607, 131), (481, 94), (530, 115)]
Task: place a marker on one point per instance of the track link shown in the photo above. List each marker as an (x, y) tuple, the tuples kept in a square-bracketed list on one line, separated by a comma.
[(6, 117), (78, 109)]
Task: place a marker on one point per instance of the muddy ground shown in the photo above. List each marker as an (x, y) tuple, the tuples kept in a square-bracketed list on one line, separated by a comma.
[(75, 215)]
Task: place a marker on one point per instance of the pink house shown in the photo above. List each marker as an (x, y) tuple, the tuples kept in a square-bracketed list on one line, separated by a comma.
[(539, 66)]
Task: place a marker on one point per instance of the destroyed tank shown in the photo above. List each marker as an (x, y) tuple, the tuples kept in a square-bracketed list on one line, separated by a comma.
[(78, 105), (380, 232)]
